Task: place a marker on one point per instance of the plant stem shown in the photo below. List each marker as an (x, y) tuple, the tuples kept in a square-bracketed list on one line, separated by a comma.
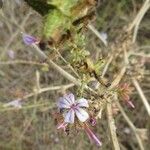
[(131, 125), (112, 127), (143, 98)]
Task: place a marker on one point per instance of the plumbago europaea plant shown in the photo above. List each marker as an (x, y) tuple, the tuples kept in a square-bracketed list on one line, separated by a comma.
[(64, 24)]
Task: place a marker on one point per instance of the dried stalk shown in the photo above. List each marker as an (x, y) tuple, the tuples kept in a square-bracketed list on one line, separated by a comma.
[(140, 15), (92, 28), (56, 67), (12, 37), (131, 125), (59, 69), (42, 90), (24, 62), (143, 98), (112, 127)]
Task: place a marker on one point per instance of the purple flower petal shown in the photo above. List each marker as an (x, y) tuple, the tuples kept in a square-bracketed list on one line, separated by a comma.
[(62, 103), (66, 101), (69, 117), (92, 136), (82, 102), (70, 98), (28, 39), (81, 114)]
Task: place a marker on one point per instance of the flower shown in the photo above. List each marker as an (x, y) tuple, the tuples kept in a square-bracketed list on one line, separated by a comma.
[(14, 103), (91, 135), (124, 93), (29, 40), (73, 108)]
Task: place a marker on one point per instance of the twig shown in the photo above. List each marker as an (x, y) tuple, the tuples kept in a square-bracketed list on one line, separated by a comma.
[(131, 125), (92, 28), (138, 22), (118, 78), (55, 66), (111, 121), (22, 62), (143, 98), (140, 55), (27, 107), (140, 15), (59, 69), (109, 112), (107, 65), (112, 127), (65, 61), (42, 90), (15, 34)]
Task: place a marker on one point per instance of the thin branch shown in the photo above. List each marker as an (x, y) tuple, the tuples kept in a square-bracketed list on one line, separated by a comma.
[(112, 127), (67, 63), (59, 69), (143, 98), (42, 90), (56, 67), (26, 62), (94, 30), (27, 107), (131, 125), (138, 23), (12, 37), (118, 78), (140, 15), (140, 55), (107, 65)]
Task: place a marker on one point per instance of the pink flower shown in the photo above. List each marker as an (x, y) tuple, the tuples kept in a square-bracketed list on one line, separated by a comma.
[(124, 92), (92, 136), (29, 40), (73, 108)]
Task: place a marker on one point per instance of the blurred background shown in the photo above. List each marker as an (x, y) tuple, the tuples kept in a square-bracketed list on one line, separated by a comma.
[(33, 127)]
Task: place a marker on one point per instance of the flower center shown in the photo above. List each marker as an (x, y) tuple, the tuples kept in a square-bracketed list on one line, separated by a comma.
[(73, 106)]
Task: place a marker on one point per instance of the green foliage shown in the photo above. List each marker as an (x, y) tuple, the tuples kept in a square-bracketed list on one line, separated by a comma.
[(59, 15), (80, 40), (77, 55), (61, 18), (64, 6), (98, 66), (55, 23)]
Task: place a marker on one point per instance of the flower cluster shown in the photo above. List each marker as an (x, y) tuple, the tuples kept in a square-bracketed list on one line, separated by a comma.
[(124, 92), (74, 111)]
